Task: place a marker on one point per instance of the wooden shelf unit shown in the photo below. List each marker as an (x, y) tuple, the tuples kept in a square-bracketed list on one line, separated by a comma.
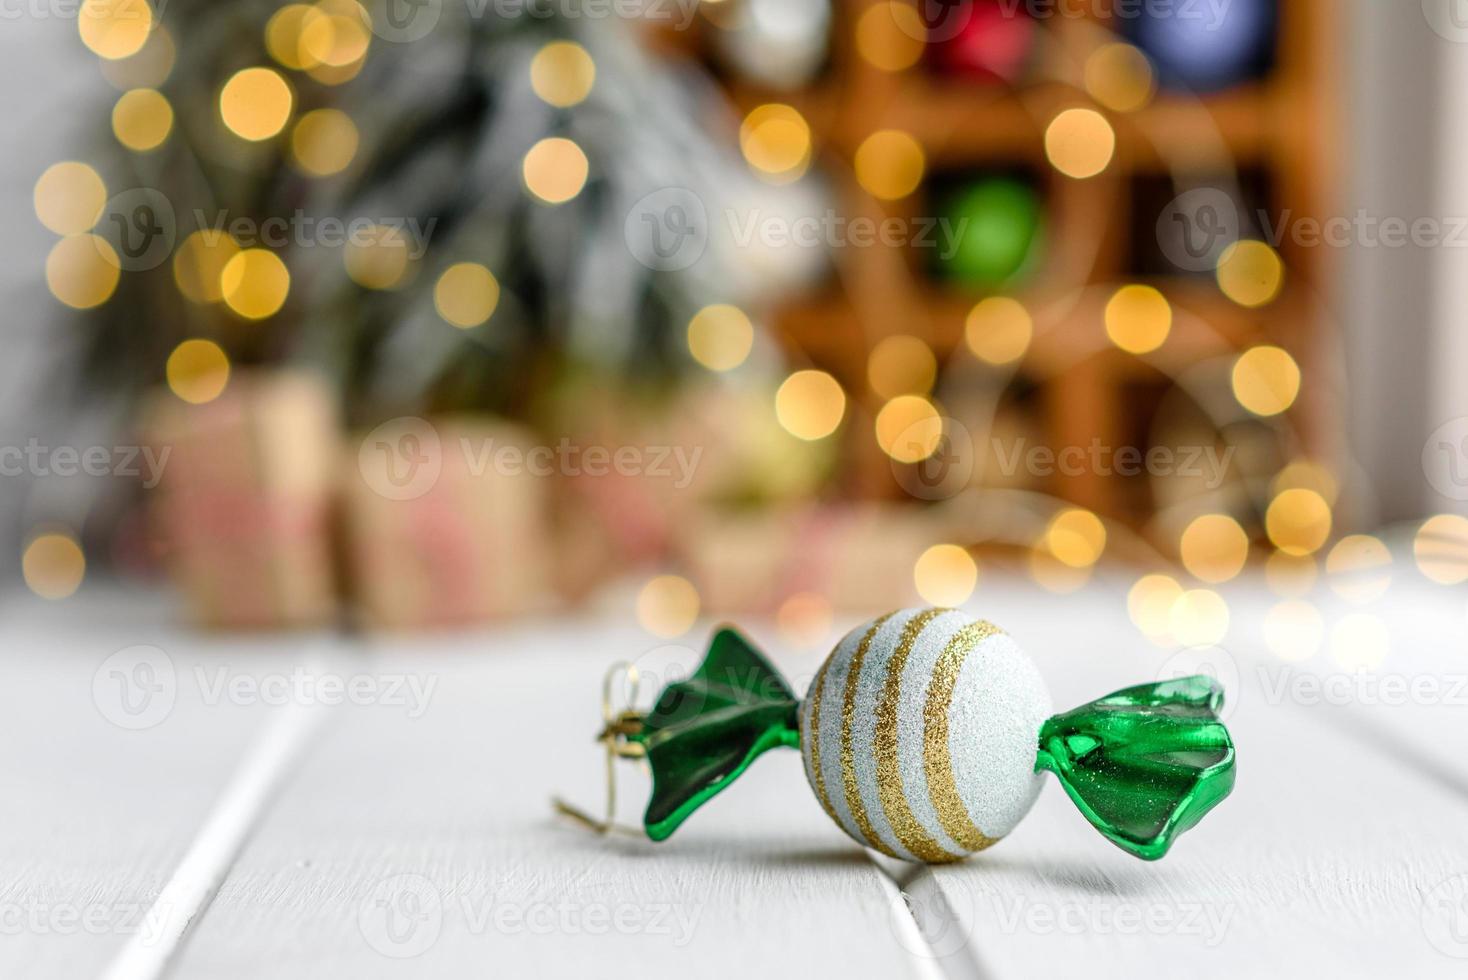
[(1279, 125)]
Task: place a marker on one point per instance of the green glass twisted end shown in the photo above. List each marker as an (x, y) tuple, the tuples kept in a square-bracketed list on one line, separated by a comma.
[(1144, 764), (705, 731)]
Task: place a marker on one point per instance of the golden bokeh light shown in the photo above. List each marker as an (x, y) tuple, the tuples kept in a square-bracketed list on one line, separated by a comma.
[(1290, 575), (775, 140), (197, 371), (324, 141), (377, 257), (254, 283), (945, 575), (1120, 77), (335, 35), (1440, 549), (1359, 568), (1198, 618), (1080, 143), (998, 330), (199, 263), (1309, 475), (53, 565), (1266, 380), (1149, 604), (336, 74), (255, 103), (466, 294), (1294, 630), (1214, 548), (901, 365), (114, 29), (889, 36), (148, 67), (667, 606), (720, 337), (1054, 575), (1250, 273), (1138, 319), (1076, 537), (69, 197), (284, 33), (1298, 521), (805, 619), (810, 404), (890, 164), (909, 428), (82, 271), (562, 73), (555, 169), (142, 119), (1359, 643)]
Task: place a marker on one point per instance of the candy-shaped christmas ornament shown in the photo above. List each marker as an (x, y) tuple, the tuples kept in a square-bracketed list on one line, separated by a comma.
[(926, 734)]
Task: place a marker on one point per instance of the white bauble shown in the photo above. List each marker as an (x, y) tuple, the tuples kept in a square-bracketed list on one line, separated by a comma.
[(919, 734), (780, 43)]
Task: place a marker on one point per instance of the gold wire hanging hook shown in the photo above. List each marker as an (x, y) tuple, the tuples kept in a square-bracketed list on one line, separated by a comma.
[(618, 728)]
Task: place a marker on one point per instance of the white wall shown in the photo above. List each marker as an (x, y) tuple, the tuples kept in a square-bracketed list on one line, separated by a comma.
[(1406, 310), (1447, 409)]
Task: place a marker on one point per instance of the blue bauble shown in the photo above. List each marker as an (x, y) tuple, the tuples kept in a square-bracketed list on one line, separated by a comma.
[(1205, 46)]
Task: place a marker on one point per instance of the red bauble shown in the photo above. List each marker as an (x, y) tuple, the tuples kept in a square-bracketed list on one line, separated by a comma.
[(983, 39)]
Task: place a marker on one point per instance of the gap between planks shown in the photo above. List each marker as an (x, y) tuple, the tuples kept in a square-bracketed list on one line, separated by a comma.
[(935, 937), (149, 953)]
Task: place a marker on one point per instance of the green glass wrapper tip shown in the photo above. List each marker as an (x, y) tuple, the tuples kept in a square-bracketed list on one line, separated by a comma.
[(1143, 764), (705, 731)]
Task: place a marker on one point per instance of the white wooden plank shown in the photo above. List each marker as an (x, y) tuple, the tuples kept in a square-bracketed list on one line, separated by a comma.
[(1413, 701), (1329, 857), (97, 815), (439, 827), (148, 954)]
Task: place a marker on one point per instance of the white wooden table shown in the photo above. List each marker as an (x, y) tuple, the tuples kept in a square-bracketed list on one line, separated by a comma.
[(194, 809)]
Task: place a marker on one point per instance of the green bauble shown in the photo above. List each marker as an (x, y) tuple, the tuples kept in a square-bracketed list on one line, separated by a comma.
[(995, 224)]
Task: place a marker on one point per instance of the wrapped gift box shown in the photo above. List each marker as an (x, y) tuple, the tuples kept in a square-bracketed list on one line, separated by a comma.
[(445, 523), (244, 503)]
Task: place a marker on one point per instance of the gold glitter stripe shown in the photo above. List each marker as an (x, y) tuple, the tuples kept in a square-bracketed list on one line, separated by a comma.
[(818, 777), (937, 765), (889, 773), (848, 767)]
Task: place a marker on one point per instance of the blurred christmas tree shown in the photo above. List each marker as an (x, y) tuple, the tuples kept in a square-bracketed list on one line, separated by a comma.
[(441, 207)]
